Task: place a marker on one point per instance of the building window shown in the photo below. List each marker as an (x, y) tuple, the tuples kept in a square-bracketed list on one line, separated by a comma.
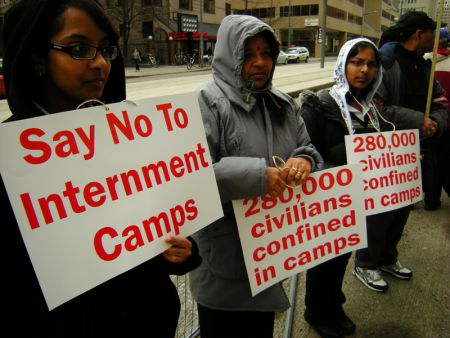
[(336, 13), (147, 29), (259, 12), (209, 6), (186, 4), (304, 10), (227, 9), (284, 11), (157, 3)]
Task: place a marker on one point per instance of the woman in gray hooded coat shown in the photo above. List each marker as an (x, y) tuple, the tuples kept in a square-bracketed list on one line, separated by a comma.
[(246, 122)]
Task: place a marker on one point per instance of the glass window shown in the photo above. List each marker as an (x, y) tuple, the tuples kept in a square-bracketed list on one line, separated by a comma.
[(209, 6), (147, 29), (227, 9), (185, 4), (152, 3)]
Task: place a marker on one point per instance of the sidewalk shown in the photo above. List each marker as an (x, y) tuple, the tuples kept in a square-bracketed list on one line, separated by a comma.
[(419, 308), (146, 70)]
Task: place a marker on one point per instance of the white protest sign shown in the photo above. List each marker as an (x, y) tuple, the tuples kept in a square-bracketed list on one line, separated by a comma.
[(304, 227), (391, 167), (95, 190)]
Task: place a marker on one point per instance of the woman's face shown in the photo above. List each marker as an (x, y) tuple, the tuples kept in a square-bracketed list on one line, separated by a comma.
[(361, 69), (67, 81), (258, 61)]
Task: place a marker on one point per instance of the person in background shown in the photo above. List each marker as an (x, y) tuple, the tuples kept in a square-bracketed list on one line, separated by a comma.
[(136, 59), (404, 91), (442, 75), (247, 122), (346, 109), (58, 54)]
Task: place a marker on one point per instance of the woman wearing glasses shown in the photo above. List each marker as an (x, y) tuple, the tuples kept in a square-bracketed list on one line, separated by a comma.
[(58, 54), (347, 108)]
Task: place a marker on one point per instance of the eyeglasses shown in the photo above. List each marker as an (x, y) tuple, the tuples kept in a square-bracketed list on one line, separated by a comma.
[(360, 64), (86, 52)]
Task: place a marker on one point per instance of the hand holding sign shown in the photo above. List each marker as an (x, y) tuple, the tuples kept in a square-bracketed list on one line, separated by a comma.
[(67, 202)]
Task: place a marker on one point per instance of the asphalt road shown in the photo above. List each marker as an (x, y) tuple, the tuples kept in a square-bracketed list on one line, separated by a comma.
[(170, 80)]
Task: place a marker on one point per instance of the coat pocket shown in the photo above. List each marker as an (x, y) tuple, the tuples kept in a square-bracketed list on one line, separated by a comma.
[(225, 257)]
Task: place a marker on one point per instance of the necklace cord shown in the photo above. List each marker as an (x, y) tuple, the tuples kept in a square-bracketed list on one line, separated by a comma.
[(377, 114)]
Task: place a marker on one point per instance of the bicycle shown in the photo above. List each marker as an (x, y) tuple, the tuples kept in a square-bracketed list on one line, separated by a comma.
[(207, 60), (151, 60), (189, 60), (178, 59)]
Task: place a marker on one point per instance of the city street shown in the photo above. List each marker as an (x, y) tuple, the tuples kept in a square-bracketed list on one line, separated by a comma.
[(170, 80)]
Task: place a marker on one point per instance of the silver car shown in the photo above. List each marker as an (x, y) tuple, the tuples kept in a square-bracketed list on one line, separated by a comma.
[(282, 58), (297, 54)]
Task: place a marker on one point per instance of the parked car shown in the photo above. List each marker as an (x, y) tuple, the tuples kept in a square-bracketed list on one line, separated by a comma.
[(297, 54), (282, 58), (2, 84)]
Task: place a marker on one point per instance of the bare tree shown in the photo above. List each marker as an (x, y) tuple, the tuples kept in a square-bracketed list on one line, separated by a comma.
[(126, 12)]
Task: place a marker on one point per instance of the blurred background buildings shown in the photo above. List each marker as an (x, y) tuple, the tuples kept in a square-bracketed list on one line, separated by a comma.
[(169, 28)]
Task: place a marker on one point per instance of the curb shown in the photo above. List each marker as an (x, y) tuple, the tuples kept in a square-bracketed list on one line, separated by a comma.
[(145, 71)]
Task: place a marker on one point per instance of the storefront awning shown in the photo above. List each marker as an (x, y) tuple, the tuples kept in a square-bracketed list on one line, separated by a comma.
[(194, 36)]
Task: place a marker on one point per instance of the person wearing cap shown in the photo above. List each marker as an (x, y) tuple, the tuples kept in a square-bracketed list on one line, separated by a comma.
[(402, 97), (405, 89)]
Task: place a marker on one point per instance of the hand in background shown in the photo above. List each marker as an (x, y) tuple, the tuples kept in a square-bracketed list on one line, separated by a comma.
[(429, 127)]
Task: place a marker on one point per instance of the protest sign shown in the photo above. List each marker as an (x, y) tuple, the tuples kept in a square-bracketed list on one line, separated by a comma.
[(391, 168), (95, 190), (304, 227)]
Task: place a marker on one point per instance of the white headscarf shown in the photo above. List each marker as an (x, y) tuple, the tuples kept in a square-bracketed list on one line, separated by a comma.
[(341, 87)]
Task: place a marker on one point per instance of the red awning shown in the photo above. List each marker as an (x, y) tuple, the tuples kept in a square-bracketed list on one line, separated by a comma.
[(195, 36)]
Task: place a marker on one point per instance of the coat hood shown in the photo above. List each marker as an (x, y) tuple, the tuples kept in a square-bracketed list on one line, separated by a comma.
[(229, 53), (341, 87), (24, 23)]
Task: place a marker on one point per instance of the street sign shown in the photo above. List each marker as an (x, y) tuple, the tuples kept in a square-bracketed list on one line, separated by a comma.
[(311, 22)]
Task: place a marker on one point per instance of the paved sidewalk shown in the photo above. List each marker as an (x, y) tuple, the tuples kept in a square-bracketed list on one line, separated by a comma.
[(419, 308), (146, 70)]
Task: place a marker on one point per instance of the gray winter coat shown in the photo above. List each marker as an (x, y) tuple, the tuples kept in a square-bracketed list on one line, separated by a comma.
[(242, 137)]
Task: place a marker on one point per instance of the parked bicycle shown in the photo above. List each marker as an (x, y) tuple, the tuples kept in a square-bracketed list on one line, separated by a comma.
[(207, 60), (189, 60), (178, 59), (152, 61)]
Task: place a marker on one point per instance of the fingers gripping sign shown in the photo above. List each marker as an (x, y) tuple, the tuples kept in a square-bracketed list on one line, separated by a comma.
[(180, 249), (294, 171)]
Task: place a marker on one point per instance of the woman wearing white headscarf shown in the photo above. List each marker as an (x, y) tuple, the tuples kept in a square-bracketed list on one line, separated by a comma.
[(346, 109)]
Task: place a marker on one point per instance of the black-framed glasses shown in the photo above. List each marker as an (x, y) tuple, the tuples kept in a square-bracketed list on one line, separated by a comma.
[(361, 63), (83, 51)]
